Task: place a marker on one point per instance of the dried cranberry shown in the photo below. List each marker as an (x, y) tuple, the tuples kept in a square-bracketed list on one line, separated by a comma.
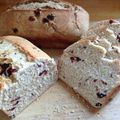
[(100, 95), (111, 21), (84, 47), (38, 65), (4, 68), (45, 20), (50, 17), (32, 94), (11, 109), (16, 103), (103, 82), (16, 99), (118, 37), (43, 73), (72, 51), (10, 71), (75, 59), (31, 18), (37, 12), (95, 80), (15, 30), (98, 104)]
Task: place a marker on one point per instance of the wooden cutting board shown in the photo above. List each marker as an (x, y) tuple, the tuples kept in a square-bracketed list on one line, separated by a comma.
[(61, 103)]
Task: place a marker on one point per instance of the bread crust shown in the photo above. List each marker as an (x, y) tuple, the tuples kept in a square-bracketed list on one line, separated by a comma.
[(87, 104), (32, 52), (66, 27)]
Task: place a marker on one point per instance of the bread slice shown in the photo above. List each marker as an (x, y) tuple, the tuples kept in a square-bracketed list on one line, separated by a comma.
[(45, 21), (92, 68), (25, 73), (108, 29)]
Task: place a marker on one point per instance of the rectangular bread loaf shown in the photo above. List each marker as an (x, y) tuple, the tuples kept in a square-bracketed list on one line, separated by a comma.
[(91, 67), (25, 73)]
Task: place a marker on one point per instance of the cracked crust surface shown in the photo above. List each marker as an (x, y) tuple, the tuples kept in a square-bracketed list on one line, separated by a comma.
[(46, 26)]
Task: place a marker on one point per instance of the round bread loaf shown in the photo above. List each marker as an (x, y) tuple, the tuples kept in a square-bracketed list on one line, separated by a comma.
[(46, 23)]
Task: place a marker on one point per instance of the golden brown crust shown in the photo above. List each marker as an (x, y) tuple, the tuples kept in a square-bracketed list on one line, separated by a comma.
[(4, 115), (87, 40), (27, 47), (66, 28)]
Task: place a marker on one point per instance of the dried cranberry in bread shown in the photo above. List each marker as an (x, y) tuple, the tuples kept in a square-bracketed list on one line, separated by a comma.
[(46, 23), (25, 73), (87, 68)]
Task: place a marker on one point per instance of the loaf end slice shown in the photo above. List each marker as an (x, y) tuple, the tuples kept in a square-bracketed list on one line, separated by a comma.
[(26, 73)]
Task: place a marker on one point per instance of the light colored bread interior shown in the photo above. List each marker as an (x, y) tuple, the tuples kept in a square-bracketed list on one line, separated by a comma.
[(86, 67)]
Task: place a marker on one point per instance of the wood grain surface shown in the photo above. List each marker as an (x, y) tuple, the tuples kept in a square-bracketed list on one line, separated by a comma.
[(98, 9)]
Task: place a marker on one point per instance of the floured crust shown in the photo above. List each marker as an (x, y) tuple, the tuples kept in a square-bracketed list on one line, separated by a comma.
[(28, 48), (46, 27), (51, 4)]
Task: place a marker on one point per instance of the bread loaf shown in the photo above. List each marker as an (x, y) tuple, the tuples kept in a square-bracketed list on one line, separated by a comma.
[(46, 23), (25, 73), (91, 67)]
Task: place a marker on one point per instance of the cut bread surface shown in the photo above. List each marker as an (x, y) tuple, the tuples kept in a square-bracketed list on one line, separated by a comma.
[(22, 80), (91, 68)]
